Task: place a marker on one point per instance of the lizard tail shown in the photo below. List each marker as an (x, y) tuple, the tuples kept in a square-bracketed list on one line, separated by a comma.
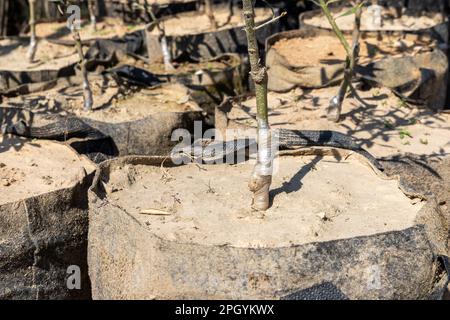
[(323, 138)]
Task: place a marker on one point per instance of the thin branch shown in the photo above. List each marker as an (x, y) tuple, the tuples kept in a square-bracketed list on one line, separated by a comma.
[(33, 40), (274, 19), (167, 57), (209, 10), (87, 92), (326, 10), (230, 12), (335, 106), (91, 8), (261, 178)]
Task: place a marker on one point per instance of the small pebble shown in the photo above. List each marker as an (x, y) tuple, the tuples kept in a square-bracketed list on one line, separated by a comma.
[(322, 216)]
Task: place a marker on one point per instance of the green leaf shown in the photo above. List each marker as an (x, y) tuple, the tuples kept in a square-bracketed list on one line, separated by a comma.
[(351, 10), (404, 133)]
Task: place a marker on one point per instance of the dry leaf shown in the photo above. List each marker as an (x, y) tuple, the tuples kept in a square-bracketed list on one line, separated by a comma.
[(155, 212)]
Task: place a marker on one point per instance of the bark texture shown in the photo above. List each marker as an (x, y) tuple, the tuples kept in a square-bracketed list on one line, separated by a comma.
[(262, 174), (33, 41)]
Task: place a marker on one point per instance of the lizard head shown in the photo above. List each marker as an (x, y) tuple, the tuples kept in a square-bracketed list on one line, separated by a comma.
[(19, 128)]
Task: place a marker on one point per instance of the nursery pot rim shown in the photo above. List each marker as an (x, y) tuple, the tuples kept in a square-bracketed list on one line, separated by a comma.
[(193, 109), (317, 32), (221, 29), (309, 14), (98, 194), (92, 170)]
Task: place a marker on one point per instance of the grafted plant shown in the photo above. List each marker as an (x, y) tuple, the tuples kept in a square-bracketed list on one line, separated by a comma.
[(149, 10), (74, 26), (209, 10), (33, 39), (93, 18), (352, 52), (261, 178)]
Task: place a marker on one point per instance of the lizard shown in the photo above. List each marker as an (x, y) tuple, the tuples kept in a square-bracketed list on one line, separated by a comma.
[(59, 127), (45, 126), (218, 151)]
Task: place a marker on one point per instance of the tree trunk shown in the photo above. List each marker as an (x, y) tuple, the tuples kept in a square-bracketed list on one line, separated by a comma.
[(209, 9), (91, 8), (87, 93), (167, 57), (4, 17), (335, 107), (262, 174), (33, 40)]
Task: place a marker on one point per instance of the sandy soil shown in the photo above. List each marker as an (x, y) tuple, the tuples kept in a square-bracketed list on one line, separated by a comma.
[(193, 23), (328, 49), (181, 24), (384, 125), (211, 204), (110, 105), (108, 28), (166, 98), (389, 22), (67, 95), (49, 56), (29, 168)]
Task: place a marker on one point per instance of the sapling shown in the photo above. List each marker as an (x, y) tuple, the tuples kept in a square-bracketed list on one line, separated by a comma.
[(74, 26), (375, 11), (33, 40), (150, 12), (209, 10), (93, 18), (230, 12), (335, 106), (261, 178)]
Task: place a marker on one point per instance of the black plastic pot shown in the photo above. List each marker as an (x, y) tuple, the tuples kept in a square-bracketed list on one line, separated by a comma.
[(41, 237), (419, 78), (129, 261)]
